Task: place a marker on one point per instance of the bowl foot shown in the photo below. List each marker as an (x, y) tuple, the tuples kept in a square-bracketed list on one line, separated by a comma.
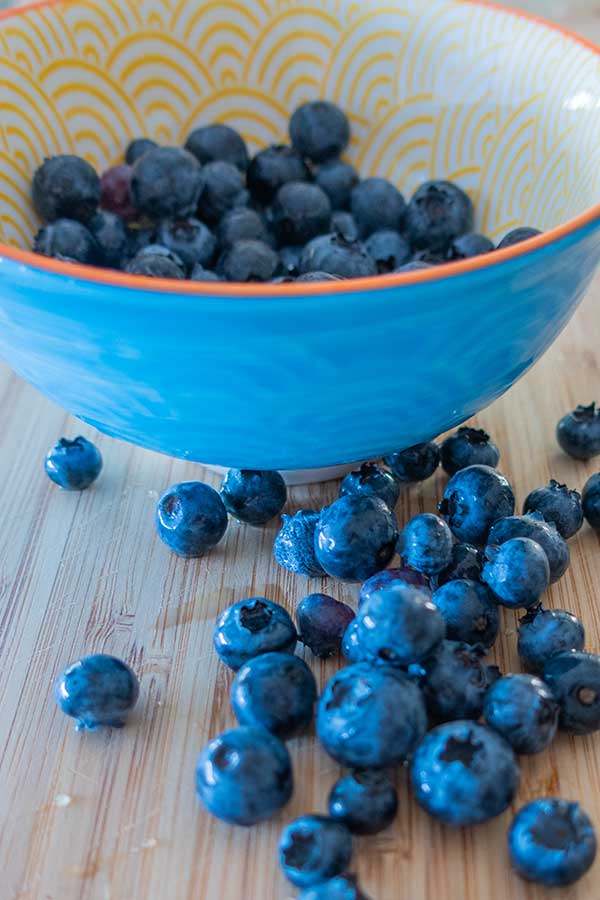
[(307, 476)]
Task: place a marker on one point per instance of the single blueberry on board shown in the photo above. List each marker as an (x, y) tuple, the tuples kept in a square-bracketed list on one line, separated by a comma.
[(425, 544), (416, 463), (377, 205), (389, 579), (166, 183), (319, 131), (474, 499), (190, 239), (333, 254), (115, 192), (591, 501), (370, 717), (276, 691), (544, 633), (218, 142), (372, 479), (455, 681), (248, 261), (399, 625), (98, 691), (468, 447), (190, 518), (111, 237), (322, 622), (467, 562), (534, 526), (438, 212), (244, 776), (574, 679), (517, 572), (337, 178), (578, 433), (355, 537), (523, 710), (469, 610), (389, 250), (300, 212), (252, 627), (253, 496), (517, 236), (136, 148), (66, 238), (464, 773), (557, 504), (273, 167), (73, 465), (342, 887), (366, 801), (66, 187), (294, 547), (313, 849), (221, 190), (465, 246)]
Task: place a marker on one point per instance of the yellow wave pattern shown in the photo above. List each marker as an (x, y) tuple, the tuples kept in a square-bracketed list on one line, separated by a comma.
[(508, 109)]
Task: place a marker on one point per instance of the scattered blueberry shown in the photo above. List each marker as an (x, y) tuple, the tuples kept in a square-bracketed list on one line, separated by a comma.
[(464, 773), (313, 849), (468, 447), (365, 801), (98, 691), (416, 463), (294, 547), (469, 610), (337, 179), (355, 537), (425, 544), (166, 183), (191, 518), (591, 501), (343, 887), (467, 562), (438, 212), (517, 236), (319, 131), (517, 572), (322, 622), (399, 625), (377, 205), (574, 679), (252, 627), (73, 465), (137, 148), (111, 236), (300, 212), (253, 496), (578, 432), (544, 633), (523, 710), (466, 246), (389, 579), (372, 480), (370, 716), (557, 504), (333, 254), (273, 167), (221, 190), (534, 526), (244, 776), (242, 224), (115, 192), (344, 224), (190, 239), (474, 499), (249, 261), (66, 187), (276, 691), (218, 143), (389, 250), (68, 238), (455, 681)]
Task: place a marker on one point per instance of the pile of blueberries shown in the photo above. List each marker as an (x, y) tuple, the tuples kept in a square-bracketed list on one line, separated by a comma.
[(207, 212), (417, 690)]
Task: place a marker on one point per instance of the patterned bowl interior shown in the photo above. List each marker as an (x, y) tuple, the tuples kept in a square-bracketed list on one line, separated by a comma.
[(508, 107)]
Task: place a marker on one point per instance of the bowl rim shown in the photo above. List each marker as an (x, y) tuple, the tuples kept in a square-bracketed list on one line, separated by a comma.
[(291, 290)]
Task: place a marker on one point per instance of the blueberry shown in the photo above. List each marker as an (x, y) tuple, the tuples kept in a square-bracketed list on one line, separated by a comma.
[(190, 239), (351, 647), (343, 887), (253, 627), (221, 190), (253, 496), (276, 691), (455, 681), (574, 679), (370, 716), (464, 773), (416, 463), (154, 264), (389, 250), (313, 849), (249, 261), (365, 801), (551, 842), (199, 273), (300, 212), (344, 224), (273, 167), (544, 633), (414, 265), (578, 433), (166, 183), (591, 501), (377, 205), (371, 480), (66, 187), (438, 212), (333, 254), (322, 622), (399, 625), (557, 504), (337, 179), (469, 610), (466, 246), (191, 518), (294, 547), (73, 465), (111, 236), (474, 499), (517, 236), (241, 224), (468, 447), (544, 533), (319, 131), (425, 544), (139, 237), (390, 579), (289, 260), (218, 142), (316, 276), (244, 776), (517, 572), (355, 537), (137, 148), (466, 562), (68, 238), (98, 691), (115, 192), (523, 710)]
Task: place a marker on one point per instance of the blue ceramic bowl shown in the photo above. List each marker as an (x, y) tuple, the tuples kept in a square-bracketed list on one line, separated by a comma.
[(301, 376)]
